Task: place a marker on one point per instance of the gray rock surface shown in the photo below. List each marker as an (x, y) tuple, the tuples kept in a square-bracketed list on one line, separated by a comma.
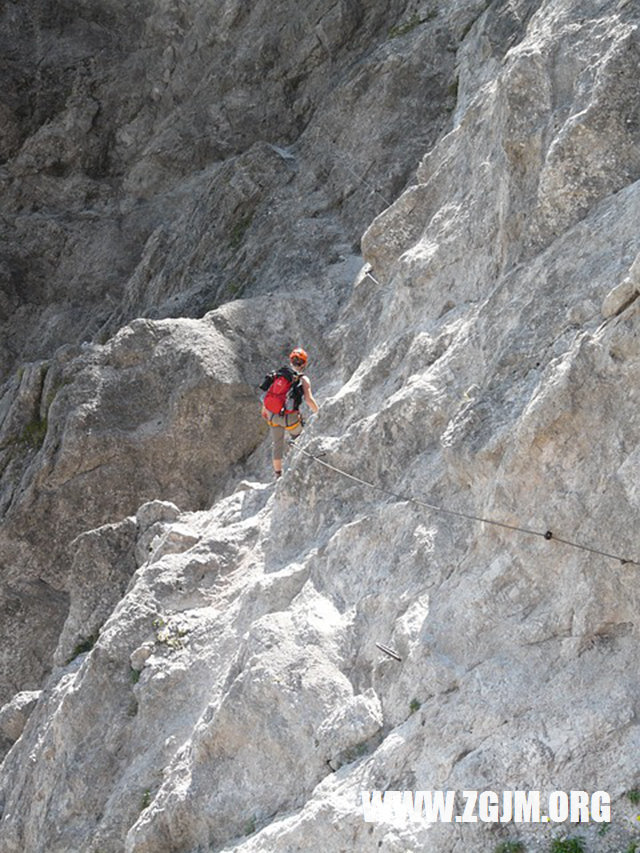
[(14, 715), (481, 367), (167, 161), (171, 156), (90, 437)]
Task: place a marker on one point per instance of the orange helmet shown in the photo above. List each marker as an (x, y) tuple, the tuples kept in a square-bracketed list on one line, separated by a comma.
[(299, 357)]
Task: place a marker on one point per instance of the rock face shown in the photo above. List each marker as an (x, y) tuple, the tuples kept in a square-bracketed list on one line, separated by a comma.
[(153, 412), (213, 641), (170, 156), (169, 161)]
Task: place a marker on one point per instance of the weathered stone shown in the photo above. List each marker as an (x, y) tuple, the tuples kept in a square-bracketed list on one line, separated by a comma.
[(101, 568), (140, 656), (468, 377), (154, 511), (619, 298), (14, 716), (142, 166), (99, 435)]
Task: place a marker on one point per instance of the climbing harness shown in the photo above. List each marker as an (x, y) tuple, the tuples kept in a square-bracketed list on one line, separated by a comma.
[(299, 422), (547, 535)]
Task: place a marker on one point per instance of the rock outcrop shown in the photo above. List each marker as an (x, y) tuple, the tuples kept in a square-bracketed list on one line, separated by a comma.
[(169, 157), (88, 438), (467, 497), (199, 158)]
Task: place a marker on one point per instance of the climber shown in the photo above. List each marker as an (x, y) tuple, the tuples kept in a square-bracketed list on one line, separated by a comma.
[(285, 389)]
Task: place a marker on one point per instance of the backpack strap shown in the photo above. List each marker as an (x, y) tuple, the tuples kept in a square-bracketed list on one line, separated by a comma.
[(289, 374), (266, 382)]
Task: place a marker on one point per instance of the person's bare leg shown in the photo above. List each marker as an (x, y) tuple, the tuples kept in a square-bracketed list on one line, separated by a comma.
[(278, 449)]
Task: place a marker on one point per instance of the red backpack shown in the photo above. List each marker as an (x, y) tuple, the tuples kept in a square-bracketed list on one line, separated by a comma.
[(284, 392)]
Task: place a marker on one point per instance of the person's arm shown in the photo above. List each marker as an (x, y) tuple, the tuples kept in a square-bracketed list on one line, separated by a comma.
[(308, 396)]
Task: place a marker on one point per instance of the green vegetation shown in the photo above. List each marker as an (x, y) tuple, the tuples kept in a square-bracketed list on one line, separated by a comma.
[(634, 796), (32, 436), (134, 675), (145, 801), (403, 29), (510, 847), (83, 645), (414, 706), (413, 22), (33, 433), (567, 845), (169, 635), (235, 288), (239, 230), (57, 386), (250, 826), (353, 753), (467, 29)]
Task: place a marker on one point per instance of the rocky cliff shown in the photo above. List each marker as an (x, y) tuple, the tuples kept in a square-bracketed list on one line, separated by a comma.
[(439, 201)]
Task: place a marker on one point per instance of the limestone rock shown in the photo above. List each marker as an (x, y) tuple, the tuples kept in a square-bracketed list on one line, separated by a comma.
[(155, 511), (14, 715), (619, 298), (344, 734), (472, 399), (101, 433), (140, 656), (103, 563), (141, 164)]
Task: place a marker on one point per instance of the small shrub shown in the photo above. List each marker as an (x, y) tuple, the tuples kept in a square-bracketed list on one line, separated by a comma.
[(145, 801), (510, 847), (414, 706), (634, 796), (170, 635), (82, 646), (250, 826), (567, 845)]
